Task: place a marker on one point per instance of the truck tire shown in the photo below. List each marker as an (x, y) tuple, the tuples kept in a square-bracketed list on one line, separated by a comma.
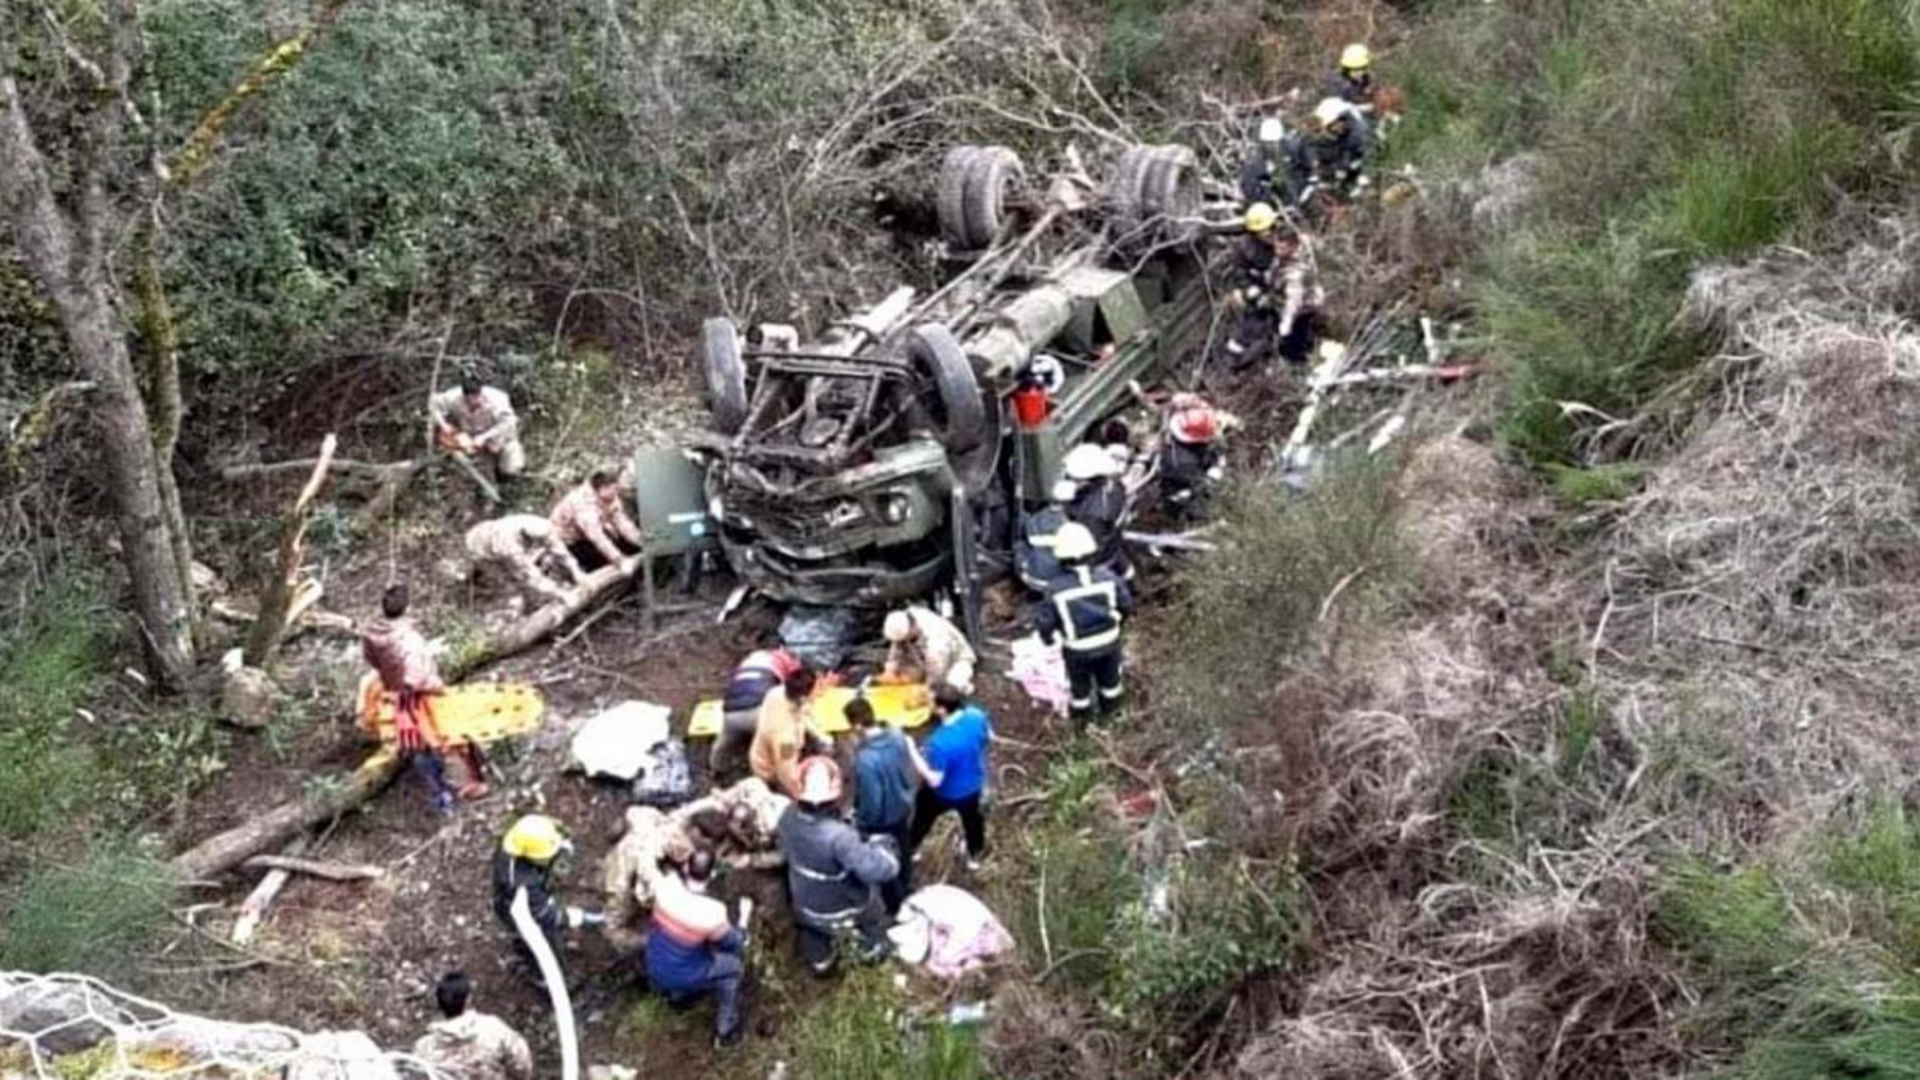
[(1171, 192), (726, 375), (994, 178), (1148, 185), (962, 411), (950, 201)]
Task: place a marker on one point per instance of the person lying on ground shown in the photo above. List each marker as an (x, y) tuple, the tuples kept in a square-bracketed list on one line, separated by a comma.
[(591, 520), (516, 544), (468, 1043), (477, 419)]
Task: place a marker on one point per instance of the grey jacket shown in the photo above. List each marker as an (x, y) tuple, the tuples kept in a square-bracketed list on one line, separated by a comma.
[(830, 870)]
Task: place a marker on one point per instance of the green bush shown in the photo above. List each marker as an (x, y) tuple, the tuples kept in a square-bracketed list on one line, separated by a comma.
[(1226, 918), (1280, 558), (48, 663), (859, 1029), (94, 911)]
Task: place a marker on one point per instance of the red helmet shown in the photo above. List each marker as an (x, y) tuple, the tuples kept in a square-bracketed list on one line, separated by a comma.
[(1195, 424)]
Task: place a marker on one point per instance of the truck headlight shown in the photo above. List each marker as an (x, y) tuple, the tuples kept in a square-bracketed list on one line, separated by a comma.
[(895, 509)]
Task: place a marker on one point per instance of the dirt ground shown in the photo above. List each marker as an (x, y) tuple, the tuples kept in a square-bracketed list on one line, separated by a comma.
[(365, 955)]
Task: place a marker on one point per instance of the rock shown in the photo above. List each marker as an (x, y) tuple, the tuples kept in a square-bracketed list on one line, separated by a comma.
[(340, 1055), (59, 1015), (248, 698)]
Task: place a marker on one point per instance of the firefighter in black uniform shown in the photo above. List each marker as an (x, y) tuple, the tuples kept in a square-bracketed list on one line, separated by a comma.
[(1083, 610), (1279, 168), (524, 863)]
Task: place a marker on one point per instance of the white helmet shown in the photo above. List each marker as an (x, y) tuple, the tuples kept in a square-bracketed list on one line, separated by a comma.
[(1330, 111), (1064, 490), (1272, 130), (1074, 541), (898, 627), (1089, 462), (819, 781)]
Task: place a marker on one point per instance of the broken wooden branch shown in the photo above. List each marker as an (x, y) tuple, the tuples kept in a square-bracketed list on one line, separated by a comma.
[(1405, 372), (1168, 541), (376, 469), (225, 851), (276, 606), (303, 616), (328, 871), (253, 910)]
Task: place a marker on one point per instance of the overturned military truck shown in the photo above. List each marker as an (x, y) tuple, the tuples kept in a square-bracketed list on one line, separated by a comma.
[(884, 459)]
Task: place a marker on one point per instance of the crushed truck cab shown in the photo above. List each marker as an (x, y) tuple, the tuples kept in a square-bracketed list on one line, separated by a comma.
[(850, 469)]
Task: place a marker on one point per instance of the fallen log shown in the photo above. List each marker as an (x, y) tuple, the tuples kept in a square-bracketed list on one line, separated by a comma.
[(306, 616), (224, 851), (218, 854), (253, 910), (276, 605), (327, 871), (377, 469), (543, 622)]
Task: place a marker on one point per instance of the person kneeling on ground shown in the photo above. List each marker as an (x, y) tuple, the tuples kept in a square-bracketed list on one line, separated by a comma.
[(469, 1044), (924, 647), (593, 524), (760, 674), (832, 872), (954, 768), (692, 949)]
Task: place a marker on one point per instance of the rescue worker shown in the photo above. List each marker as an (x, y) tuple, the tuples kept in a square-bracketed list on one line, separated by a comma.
[(923, 647), (591, 520), (1190, 454), (516, 543), (1338, 148), (832, 873), (762, 672), (1083, 612), (954, 770), (524, 864), (693, 949), (402, 659), (477, 419), (1100, 503), (1277, 292), (781, 735), (470, 1044), (1278, 169), (1299, 297), (1033, 552), (884, 775), (1353, 83)]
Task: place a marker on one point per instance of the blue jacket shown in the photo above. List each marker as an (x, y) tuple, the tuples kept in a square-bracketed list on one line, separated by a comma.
[(883, 782), (1083, 609), (830, 870), (687, 932)]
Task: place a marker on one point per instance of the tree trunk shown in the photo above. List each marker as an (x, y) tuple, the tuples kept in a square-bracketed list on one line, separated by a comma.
[(161, 592)]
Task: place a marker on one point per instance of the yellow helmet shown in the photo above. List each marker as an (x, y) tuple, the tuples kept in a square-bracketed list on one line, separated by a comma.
[(536, 838), (1356, 57), (1261, 217), (1329, 112)]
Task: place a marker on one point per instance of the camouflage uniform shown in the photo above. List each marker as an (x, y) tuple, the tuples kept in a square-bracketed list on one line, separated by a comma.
[(493, 427), (593, 531), (632, 870), (940, 652), (476, 1046), (510, 542)]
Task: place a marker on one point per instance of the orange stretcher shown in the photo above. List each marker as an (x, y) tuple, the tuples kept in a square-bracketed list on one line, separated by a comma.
[(902, 705), (470, 714)]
